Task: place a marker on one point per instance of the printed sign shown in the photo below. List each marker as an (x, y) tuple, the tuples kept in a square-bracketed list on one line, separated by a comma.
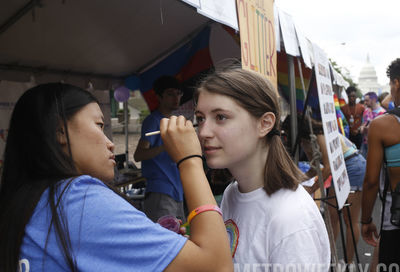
[(257, 37), (330, 126)]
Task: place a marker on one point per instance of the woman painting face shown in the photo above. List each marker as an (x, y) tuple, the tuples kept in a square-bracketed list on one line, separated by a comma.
[(228, 133), (92, 151)]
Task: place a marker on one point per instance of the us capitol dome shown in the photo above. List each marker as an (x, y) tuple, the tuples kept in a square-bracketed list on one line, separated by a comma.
[(368, 81)]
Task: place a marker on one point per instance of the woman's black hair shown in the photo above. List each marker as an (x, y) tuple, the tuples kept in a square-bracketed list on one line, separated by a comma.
[(34, 161)]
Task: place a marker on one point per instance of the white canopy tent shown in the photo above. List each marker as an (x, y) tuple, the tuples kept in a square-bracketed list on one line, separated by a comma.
[(98, 41)]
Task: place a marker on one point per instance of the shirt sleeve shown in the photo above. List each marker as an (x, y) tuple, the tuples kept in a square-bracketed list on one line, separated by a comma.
[(150, 124), (108, 234)]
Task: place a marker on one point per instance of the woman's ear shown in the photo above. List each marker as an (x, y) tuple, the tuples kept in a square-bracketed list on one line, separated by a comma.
[(396, 84), (266, 123), (61, 136)]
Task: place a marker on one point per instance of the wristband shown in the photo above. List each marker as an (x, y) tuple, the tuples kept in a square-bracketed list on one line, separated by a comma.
[(204, 208), (366, 222), (188, 157)]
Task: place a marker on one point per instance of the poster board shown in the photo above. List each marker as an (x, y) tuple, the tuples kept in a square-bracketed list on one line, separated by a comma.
[(257, 37), (330, 126)]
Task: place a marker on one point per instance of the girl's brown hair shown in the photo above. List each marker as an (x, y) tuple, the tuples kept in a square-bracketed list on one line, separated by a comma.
[(257, 95)]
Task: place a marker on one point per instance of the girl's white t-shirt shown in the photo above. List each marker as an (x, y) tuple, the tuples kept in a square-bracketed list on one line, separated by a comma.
[(281, 231)]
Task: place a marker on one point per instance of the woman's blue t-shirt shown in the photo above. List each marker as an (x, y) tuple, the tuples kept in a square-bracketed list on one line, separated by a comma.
[(106, 232)]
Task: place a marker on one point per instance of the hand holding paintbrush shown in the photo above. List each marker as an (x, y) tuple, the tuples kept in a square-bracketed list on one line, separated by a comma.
[(179, 138)]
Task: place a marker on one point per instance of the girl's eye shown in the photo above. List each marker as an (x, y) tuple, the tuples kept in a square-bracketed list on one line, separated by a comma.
[(221, 117), (101, 125), (199, 119)]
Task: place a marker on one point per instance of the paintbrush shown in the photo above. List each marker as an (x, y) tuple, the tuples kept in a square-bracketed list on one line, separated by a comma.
[(158, 132)]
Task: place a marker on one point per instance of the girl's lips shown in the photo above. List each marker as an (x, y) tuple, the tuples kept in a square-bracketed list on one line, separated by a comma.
[(211, 149)]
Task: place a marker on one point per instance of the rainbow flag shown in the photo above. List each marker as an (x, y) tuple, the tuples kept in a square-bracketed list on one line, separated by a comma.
[(283, 81), (343, 126), (187, 64)]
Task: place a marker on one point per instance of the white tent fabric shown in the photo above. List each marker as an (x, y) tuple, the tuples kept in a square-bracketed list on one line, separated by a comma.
[(101, 41), (80, 41)]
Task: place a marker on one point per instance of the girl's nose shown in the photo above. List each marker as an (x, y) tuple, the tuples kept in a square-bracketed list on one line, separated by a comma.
[(205, 130)]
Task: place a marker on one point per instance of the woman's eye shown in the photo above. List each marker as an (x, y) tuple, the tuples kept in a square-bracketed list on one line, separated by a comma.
[(101, 125)]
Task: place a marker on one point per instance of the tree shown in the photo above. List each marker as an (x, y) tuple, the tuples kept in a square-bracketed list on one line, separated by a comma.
[(348, 79)]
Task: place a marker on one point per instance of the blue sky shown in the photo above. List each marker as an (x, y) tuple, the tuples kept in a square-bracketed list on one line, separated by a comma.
[(348, 30)]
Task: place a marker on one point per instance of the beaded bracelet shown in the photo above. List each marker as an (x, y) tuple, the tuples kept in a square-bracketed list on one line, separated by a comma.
[(203, 208)]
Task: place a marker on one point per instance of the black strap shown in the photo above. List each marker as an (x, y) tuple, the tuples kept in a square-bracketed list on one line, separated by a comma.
[(385, 189), (395, 111)]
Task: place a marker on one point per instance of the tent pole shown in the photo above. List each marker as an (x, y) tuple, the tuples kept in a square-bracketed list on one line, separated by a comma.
[(19, 14), (126, 125), (293, 109)]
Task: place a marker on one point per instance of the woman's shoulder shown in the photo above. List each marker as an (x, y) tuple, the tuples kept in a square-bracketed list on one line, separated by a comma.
[(384, 121), (86, 180), (85, 188), (81, 183)]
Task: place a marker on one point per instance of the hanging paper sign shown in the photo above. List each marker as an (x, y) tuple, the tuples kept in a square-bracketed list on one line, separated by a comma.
[(289, 34), (221, 11), (194, 3), (304, 48), (330, 126), (257, 37)]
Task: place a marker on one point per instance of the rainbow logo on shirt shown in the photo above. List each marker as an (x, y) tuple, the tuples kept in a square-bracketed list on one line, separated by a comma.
[(233, 233)]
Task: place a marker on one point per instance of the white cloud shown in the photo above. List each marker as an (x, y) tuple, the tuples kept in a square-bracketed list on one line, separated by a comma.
[(365, 26)]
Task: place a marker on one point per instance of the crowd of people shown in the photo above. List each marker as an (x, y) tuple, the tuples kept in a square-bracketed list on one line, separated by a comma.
[(59, 210)]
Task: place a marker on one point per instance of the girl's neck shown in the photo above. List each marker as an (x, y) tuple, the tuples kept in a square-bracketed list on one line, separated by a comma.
[(250, 173)]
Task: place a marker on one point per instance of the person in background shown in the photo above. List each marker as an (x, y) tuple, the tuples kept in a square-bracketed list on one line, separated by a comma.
[(164, 192), (355, 166), (59, 213), (386, 101), (384, 146), (353, 112), (371, 112), (270, 218)]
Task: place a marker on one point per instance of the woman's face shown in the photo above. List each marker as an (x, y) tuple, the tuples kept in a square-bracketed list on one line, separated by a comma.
[(228, 133), (92, 151)]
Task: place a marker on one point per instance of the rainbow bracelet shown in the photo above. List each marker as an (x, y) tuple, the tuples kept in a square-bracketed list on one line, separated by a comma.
[(203, 208)]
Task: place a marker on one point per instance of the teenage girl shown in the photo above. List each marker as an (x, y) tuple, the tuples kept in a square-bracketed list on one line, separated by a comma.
[(271, 219)]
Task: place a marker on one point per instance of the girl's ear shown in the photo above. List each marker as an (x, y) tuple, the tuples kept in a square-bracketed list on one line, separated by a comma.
[(266, 123), (61, 136)]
